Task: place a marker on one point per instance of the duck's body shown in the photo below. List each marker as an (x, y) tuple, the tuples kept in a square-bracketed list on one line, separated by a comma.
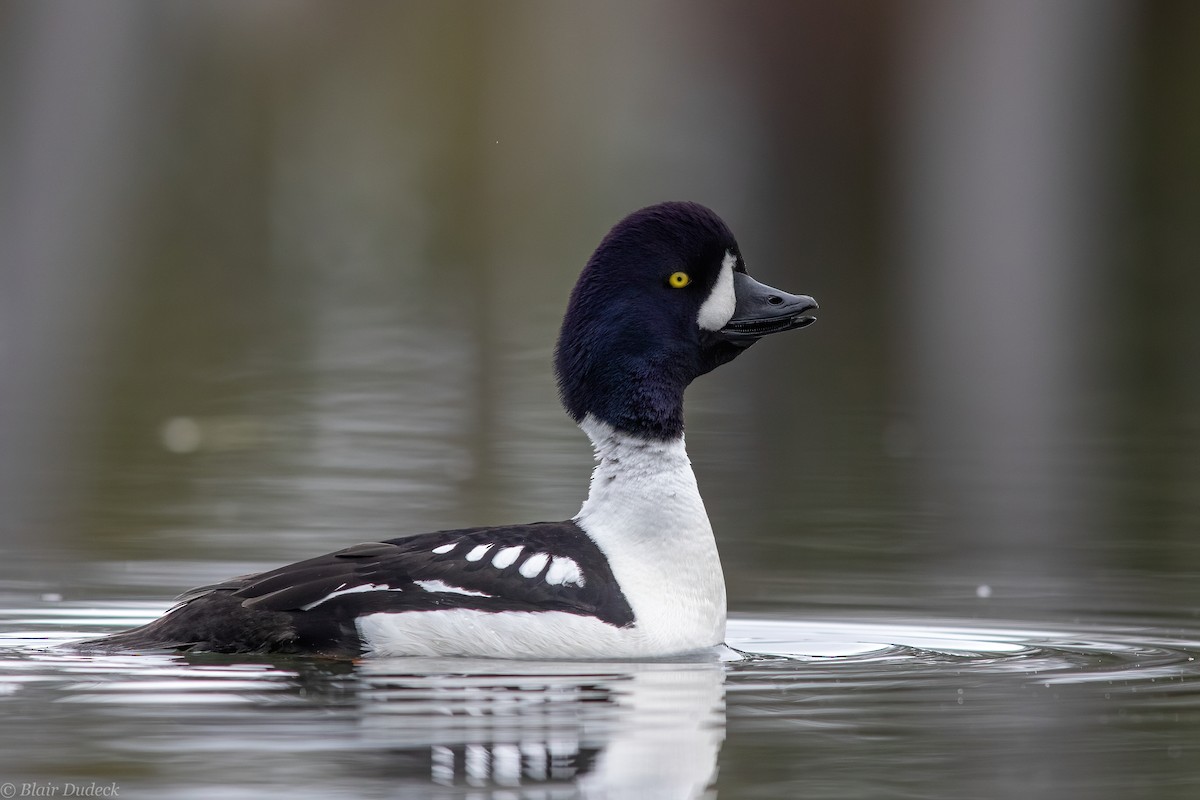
[(628, 590), (635, 574)]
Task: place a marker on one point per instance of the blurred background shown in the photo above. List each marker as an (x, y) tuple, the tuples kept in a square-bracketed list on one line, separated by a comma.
[(279, 277)]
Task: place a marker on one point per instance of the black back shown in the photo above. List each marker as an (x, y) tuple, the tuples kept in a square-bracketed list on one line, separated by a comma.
[(297, 608), (399, 563)]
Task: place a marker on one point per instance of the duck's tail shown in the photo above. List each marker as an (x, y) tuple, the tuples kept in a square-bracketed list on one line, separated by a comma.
[(214, 621)]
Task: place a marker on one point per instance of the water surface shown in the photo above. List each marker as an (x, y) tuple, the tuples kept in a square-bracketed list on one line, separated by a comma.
[(909, 620), (844, 707)]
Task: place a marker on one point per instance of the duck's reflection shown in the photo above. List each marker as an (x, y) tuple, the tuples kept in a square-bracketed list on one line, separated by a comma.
[(573, 729)]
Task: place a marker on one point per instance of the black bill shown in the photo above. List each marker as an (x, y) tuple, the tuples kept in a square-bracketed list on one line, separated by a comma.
[(761, 310)]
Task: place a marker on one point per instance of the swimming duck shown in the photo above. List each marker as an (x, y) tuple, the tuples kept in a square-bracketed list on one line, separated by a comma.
[(664, 299)]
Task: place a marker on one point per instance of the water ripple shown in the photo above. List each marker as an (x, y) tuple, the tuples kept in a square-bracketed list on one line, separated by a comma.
[(895, 693)]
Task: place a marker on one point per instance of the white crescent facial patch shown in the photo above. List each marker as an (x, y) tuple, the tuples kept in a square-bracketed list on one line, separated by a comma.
[(717, 310)]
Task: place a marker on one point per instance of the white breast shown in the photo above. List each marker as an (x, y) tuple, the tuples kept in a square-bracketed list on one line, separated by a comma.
[(645, 513)]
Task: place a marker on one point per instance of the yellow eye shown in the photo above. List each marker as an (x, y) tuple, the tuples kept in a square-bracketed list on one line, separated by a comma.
[(678, 280)]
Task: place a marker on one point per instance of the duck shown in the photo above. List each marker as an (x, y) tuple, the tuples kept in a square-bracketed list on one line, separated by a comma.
[(665, 298)]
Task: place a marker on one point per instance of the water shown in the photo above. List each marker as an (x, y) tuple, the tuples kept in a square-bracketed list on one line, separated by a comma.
[(831, 708), (299, 289), (908, 621)]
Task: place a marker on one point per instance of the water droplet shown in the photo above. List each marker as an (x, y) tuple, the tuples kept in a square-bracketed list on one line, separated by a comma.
[(181, 435)]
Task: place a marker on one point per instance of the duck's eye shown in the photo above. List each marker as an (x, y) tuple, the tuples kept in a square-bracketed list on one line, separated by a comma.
[(678, 280)]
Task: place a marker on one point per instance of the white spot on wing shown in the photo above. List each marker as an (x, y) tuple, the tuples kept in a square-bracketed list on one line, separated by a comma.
[(478, 552), (446, 548), (717, 310), (564, 571), (338, 592), (534, 565), (445, 588), (507, 556)]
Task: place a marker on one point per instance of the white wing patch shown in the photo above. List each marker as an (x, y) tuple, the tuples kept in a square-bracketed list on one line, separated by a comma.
[(338, 592), (445, 588), (506, 556), (534, 565), (718, 309), (478, 552), (564, 572)]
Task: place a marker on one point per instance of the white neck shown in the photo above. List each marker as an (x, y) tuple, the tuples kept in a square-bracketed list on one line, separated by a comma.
[(645, 513), (622, 455)]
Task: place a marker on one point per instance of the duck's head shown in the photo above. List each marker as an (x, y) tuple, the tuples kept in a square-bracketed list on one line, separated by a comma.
[(664, 299)]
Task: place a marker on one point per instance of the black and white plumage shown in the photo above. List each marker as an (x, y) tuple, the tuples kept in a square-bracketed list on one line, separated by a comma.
[(312, 606), (665, 298)]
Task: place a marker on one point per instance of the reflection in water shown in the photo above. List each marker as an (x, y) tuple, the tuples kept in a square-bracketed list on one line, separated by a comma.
[(838, 708), (610, 729), (578, 729)]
